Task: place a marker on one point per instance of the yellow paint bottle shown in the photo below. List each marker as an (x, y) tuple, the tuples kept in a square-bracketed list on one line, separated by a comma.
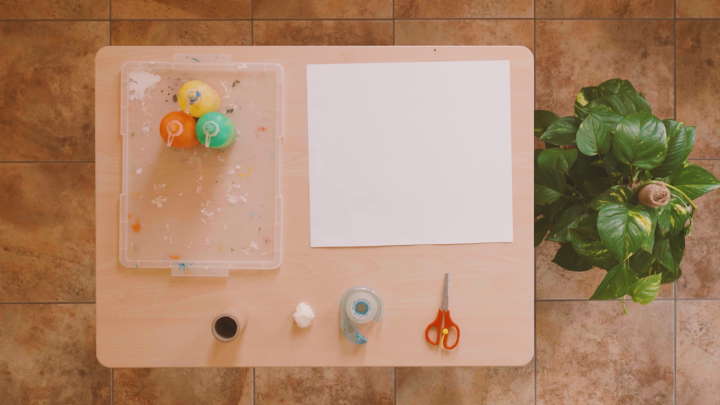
[(197, 98)]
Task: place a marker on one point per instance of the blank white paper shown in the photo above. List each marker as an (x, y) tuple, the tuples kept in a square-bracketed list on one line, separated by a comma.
[(409, 153)]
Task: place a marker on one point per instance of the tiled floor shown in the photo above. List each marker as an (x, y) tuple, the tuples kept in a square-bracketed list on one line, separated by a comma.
[(587, 352)]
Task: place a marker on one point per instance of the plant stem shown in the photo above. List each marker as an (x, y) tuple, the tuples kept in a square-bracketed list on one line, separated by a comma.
[(682, 194)]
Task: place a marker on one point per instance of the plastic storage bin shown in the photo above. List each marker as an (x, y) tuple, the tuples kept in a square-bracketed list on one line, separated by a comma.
[(201, 211)]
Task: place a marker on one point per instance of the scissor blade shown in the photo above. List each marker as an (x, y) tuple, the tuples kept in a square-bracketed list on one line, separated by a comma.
[(445, 299)]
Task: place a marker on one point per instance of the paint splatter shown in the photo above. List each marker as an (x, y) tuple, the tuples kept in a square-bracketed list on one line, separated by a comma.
[(139, 82), (138, 171), (174, 257), (236, 198), (245, 173), (159, 201), (136, 226)]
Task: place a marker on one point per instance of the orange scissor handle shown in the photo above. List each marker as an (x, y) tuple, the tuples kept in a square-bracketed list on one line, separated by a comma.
[(450, 325), (437, 325), (442, 325)]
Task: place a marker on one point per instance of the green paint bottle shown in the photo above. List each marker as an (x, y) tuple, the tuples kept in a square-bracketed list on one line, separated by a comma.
[(215, 130)]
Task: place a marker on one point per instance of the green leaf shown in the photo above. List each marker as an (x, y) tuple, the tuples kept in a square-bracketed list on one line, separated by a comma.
[(562, 131), (694, 181), (641, 263), (681, 140), (542, 226), (556, 159), (673, 217), (615, 194), (567, 258), (588, 176), (617, 283), (583, 99), (646, 289), (593, 135), (616, 86), (543, 119), (640, 140), (649, 243), (624, 229), (544, 195), (668, 254), (566, 221), (621, 97)]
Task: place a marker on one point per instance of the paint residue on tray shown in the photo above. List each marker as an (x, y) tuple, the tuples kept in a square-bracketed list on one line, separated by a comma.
[(243, 172), (159, 201), (234, 198), (139, 82)]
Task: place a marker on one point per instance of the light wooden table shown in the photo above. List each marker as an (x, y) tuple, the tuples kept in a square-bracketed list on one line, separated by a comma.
[(146, 318)]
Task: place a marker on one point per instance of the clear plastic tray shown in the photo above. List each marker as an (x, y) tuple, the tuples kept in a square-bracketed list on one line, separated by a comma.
[(201, 211)]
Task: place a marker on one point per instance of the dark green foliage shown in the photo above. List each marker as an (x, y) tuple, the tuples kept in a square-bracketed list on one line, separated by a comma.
[(587, 183)]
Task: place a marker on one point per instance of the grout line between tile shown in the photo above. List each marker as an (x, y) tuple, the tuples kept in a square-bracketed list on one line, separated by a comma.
[(698, 299), (395, 396), (360, 19), (53, 19), (109, 22), (46, 302), (589, 300), (535, 334), (252, 42), (45, 161), (254, 393), (112, 386), (394, 20), (674, 352)]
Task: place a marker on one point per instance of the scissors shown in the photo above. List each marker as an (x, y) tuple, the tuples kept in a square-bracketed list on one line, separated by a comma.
[(443, 324)]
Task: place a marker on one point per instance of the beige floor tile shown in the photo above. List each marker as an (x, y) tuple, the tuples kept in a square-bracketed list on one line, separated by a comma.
[(464, 32), (47, 355), (698, 8), (574, 54), (698, 352), (698, 82), (47, 96), (178, 386), (701, 263), (463, 8), (324, 386), (323, 32), (183, 9), (47, 232), (590, 353), (42, 9), (604, 9), (322, 8), (466, 386), (181, 33)]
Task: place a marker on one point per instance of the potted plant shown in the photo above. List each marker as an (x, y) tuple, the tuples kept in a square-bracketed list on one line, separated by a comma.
[(614, 187)]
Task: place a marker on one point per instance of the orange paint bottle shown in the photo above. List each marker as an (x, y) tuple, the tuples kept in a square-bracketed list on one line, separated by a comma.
[(177, 129)]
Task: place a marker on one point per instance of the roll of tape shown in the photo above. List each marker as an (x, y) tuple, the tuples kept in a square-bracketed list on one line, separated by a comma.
[(358, 305)]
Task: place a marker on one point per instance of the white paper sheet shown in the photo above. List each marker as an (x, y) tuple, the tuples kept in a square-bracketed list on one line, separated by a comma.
[(409, 153)]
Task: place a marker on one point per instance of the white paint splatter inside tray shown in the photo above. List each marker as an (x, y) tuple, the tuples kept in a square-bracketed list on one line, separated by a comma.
[(213, 208)]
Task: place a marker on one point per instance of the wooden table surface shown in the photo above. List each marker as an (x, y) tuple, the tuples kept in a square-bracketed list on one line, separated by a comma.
[(147, 318)]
